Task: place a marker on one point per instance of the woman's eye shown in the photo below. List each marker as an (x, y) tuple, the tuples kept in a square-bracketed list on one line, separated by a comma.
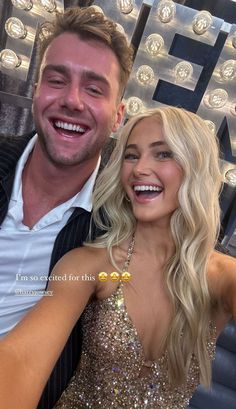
[(164, 155), (130, 156)]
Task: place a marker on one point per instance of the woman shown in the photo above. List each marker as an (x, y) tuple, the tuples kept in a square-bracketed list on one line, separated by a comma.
[(148, 342)]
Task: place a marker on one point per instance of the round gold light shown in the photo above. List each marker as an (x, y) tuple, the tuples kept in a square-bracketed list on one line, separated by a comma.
[(125, 6), (48, 5), (183, 71), (15, 28), (134, 106), (230, 177), (9, 59), (210, 125), (202, 22), (228, 70), (145, 75), (166, 10), (153, 44), (22, 4)]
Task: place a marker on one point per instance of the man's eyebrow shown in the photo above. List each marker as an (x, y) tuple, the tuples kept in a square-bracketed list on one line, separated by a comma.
[(58, 68), (91, 75), (152, 145), (86, 74)]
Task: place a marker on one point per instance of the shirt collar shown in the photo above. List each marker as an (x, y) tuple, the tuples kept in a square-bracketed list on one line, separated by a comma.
[(84, 197), (81, 199), (17, 186)]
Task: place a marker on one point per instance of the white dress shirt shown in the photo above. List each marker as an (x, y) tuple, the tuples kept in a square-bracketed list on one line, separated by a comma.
[(25, 253)]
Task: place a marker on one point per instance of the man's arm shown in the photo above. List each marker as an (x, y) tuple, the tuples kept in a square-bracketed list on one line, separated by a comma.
[(30, 351)]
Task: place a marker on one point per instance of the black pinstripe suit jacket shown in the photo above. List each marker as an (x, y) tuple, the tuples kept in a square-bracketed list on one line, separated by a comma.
[(72, 235)]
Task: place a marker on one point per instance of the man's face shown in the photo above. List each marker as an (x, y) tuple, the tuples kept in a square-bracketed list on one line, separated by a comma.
[(76, 101)]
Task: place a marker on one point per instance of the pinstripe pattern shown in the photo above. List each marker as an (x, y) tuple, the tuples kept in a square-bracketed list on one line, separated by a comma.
[(72, 235), (10, 151)]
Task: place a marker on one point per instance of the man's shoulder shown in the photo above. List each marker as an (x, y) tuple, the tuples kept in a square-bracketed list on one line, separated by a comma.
[(13, 141), (11, 148)]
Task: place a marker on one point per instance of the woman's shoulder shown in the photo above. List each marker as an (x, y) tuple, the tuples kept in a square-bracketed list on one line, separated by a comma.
[(221, 273), (82, 264), (85, 254), (216, 267), (221, 276), (220, 263)]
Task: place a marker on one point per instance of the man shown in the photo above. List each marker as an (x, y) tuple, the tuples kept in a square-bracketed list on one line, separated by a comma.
[(47, 179)]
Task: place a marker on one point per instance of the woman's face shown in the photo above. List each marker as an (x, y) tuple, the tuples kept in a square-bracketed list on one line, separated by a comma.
[(150, 175)]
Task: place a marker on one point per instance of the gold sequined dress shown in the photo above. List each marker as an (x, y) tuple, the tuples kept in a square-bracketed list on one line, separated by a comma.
[(112, 359)]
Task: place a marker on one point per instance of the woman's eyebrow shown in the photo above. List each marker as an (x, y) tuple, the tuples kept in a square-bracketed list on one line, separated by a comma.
[(152, 145)]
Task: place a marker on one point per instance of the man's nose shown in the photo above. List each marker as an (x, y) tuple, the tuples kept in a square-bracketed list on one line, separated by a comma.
[(72, 98)]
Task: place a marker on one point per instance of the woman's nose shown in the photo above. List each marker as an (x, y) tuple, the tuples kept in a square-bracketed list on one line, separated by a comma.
[(142, 167)]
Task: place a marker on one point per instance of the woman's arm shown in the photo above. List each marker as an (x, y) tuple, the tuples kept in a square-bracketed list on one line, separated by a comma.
[(29, 352), (222, 281)]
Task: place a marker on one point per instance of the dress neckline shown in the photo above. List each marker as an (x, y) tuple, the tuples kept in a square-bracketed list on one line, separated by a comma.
[(118, 295)]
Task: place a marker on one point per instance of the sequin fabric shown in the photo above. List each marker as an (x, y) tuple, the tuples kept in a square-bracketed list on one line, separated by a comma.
[(108, 375)]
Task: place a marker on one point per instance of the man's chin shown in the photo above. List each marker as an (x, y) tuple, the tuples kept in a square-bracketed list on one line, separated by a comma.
[(62, 160)]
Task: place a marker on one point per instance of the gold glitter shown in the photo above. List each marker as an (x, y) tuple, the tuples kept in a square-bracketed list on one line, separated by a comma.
[(109, 374)]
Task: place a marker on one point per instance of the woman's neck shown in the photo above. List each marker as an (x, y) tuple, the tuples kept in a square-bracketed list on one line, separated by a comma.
[(154, 241)]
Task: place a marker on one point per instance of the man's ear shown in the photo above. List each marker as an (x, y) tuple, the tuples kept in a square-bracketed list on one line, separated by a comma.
[(119, 116), (34, 90), (35, 87)]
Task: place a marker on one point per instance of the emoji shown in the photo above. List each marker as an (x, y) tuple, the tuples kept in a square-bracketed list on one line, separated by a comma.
[(125, 276), (103, 277), (115, 276)]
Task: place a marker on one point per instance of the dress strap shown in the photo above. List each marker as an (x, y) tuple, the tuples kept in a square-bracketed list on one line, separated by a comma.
[(129, 254)]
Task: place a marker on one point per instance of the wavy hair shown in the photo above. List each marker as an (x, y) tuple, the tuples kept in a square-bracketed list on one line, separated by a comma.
[(194, 228)]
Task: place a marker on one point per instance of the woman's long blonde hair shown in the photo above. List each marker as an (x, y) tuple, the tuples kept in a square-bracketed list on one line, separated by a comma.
[(194, 227)]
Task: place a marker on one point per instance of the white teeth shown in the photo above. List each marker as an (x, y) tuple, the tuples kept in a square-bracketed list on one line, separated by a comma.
[(69, 127), (141, 188)]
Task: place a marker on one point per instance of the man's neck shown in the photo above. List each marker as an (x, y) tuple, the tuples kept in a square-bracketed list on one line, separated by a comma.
[(45, 185)]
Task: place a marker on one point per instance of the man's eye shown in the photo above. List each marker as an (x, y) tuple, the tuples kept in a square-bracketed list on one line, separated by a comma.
[(55, 81), (94, 90)]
